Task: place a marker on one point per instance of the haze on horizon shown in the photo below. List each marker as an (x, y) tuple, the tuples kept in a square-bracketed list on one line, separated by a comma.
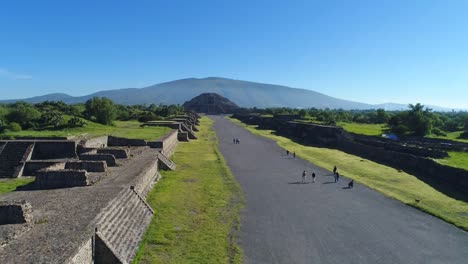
[(366, 51)]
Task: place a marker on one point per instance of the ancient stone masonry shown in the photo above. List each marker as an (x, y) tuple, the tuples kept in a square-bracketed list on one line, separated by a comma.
[(410, 155), (81, 209), (211, 103)]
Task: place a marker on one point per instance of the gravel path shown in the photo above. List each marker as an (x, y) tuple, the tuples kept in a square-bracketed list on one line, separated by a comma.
[(285, 221)]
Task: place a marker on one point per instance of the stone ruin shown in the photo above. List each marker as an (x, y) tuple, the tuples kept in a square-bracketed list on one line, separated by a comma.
[(211, 103), (87, 203)]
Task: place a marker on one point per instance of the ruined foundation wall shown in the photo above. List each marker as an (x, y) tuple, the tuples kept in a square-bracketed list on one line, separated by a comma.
[(44, 150), (97, 142), (166, 143), (116, 141)]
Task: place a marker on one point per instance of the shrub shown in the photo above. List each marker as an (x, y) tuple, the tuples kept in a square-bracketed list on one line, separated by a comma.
[(464, 135), (15, 127), (438, 132), (75, 122)]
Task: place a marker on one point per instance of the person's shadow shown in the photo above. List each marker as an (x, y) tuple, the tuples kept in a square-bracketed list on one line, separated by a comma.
[(329, 182), (298, 182)]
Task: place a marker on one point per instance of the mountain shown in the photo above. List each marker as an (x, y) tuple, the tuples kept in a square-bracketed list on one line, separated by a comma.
[(243, 93)]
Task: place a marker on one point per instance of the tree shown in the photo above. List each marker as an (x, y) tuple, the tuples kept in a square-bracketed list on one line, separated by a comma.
[(23, 114), (51, 118), (417, 121), (101, 110), (381, 116)]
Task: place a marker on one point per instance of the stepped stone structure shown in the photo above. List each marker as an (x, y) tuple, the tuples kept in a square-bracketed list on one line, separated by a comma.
[(86, 206), (211, 103)]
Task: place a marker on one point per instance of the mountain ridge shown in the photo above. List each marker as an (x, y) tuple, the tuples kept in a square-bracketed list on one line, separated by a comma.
[(243, 93)]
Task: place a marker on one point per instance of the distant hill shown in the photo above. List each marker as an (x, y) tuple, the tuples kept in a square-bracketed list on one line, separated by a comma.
[(243, 93)]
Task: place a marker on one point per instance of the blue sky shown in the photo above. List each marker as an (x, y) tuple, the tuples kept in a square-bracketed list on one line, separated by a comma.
[(367, 51)]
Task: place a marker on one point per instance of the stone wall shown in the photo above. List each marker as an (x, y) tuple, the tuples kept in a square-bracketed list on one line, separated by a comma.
[(15, 212), (44, 150), (121, 226), (145, 180), (51, 179), (183, 136), (84, 254), (108, 158), (31, 168), (89, 166), (116, 141), (166, 143), (97, 142), (119, 153)]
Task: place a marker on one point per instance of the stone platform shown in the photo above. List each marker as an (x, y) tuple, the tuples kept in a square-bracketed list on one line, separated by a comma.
[(65, 219)]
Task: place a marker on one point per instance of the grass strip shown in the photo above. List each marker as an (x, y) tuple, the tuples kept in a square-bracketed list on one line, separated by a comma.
[(388, 181), (196, 207), (363, 129), (455, 159), (127, 129), (9, 185)]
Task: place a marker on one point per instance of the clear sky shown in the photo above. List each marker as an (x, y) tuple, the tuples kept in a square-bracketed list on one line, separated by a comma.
[(369, 51)]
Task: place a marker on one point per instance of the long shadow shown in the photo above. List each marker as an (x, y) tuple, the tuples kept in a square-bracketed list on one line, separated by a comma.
[(298, 182), (344, 188), (27, 187)]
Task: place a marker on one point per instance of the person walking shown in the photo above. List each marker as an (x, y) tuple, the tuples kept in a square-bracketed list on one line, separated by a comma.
[(351, 184), (304, 173), (233, 141), (287, 153), (294, 154), (334, 169), (313, 176)]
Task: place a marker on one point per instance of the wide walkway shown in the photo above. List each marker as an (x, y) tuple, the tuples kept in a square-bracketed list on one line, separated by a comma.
[(285, 221)]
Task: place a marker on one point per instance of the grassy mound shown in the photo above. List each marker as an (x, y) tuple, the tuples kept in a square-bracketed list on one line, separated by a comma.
[(196, 207)]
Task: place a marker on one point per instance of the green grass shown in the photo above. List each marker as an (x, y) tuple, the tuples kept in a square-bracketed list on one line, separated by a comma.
[(451, 136), (9, 185), (128, 129), (455, 159), (196, 207), (363, 129), (388, 181)]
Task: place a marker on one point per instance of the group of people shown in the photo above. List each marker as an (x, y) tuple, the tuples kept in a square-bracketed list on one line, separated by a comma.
[(336, 174), (293, 154), (304, 174), (235, 141)]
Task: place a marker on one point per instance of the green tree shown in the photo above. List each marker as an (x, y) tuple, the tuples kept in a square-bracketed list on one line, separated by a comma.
[(101, 110), (23, 114), (381, 116), (51, 118)]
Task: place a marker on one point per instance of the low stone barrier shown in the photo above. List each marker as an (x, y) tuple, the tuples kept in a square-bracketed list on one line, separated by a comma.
[(108, 158), (44, 150), (89, 166), (116, 142), (51, 179), (119, 153), (31, 168), (97, 142), (166, 143), (15, 212), (183, 136)]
